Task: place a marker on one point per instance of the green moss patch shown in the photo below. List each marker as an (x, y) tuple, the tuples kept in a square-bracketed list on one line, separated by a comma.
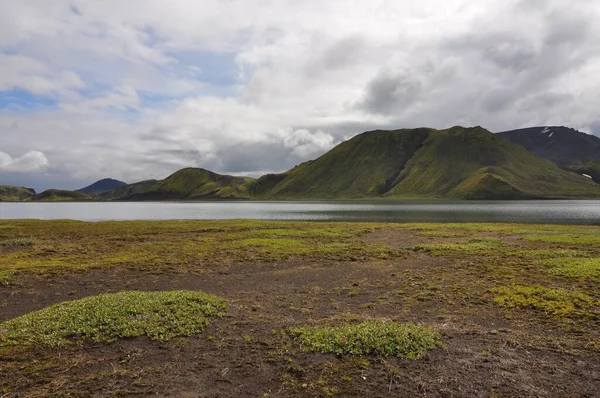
[(553, 301), (403, 340), (107, 317), (6, 277), (574, 267), (481, 244)]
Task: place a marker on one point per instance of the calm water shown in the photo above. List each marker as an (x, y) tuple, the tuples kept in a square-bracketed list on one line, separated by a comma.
[(555, 212)]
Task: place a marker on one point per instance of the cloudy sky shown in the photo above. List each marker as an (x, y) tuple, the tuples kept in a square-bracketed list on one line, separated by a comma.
[(138, 89)]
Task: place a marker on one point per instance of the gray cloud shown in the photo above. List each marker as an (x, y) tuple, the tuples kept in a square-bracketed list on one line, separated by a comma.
[(390, 92), (523, 66)]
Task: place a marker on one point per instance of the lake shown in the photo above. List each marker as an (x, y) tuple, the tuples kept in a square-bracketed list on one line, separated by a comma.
[(548, 211)]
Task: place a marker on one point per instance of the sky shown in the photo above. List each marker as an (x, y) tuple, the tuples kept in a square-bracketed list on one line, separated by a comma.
[(138, 89)]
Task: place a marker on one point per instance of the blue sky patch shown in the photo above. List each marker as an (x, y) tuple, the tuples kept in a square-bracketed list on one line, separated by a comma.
[(20, 101), (216, 69)]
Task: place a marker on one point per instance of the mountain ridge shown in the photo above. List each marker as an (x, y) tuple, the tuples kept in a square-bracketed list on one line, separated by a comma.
[(421, 163), (456, 163), (61, 195), (194, 184)]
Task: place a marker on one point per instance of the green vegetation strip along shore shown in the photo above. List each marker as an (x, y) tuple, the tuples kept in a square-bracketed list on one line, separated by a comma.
[(191, 246), (107, 317)]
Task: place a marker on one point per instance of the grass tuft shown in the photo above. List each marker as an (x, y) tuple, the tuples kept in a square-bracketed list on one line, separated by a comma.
[(107, 317), (403, 340), (553, 301)]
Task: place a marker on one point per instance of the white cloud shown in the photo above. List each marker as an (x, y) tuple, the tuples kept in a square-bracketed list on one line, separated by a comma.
[(35, 76), (305, 143), (30, 162)]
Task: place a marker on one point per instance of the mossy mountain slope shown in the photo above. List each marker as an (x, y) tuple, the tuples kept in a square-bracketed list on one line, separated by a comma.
[(473, 163), (364, 166), (59, 195), (196, 183), (460, 163), (10, 193), (129, 190)]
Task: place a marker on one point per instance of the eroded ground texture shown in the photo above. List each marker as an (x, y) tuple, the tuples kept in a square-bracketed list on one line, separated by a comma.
[(517, 307)]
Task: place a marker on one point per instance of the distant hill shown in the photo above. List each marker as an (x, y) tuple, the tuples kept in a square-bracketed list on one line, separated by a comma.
[(58, 195), (564, 146), (460, 163), (106, 184), (196, 183), (128, 190), (10, 193)]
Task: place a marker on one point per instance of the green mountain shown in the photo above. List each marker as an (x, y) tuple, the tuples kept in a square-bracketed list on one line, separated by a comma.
[(458, 163), (58, 195), (194, 183), (364, 166), (10, 193), (129, 190)]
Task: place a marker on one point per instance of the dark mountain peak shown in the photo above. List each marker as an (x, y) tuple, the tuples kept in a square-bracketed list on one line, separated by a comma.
[(562, 145), (103, 185), (193, 171)]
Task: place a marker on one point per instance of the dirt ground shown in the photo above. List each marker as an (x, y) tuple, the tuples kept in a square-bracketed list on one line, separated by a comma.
[(489, 351)]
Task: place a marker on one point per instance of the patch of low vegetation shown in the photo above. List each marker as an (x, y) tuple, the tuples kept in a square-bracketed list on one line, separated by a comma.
[(478, 244), (440, 234), (18, 242), (500, 228), (544, 253), (574, 267), (555, 301), (6, 277), (403, 340), (566, 239), (108, 317), (188, 246)]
